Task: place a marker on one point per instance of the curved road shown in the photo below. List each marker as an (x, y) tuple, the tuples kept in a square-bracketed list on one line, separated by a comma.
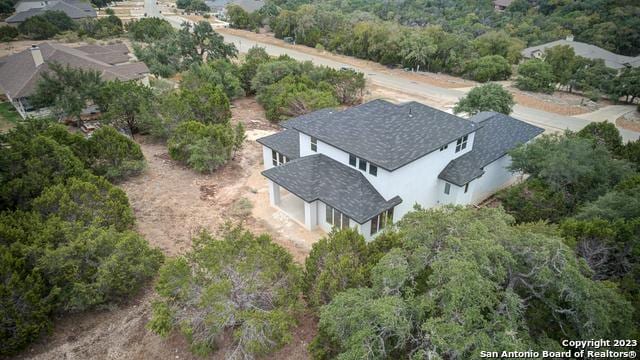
[(541, 118)]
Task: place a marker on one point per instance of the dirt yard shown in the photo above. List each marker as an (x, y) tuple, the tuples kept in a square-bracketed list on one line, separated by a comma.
[(171, 203), (630, 121)]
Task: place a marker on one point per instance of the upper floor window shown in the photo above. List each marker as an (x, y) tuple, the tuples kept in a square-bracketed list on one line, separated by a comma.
[(277, 158), (314, 144), (352, 160), (461, 144), (381, 220), (373, 170), (447, 188), (362, 164), (443, 148), (336, 218), (466, 188)]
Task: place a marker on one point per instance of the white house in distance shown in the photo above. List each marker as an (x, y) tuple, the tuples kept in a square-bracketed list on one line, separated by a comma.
[(369, 163)]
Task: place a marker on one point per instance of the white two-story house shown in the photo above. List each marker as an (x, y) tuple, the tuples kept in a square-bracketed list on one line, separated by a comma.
[(370, 164)]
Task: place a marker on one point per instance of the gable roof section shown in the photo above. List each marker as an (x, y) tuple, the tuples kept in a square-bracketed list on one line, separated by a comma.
[(19, 75), (497, 135), (285, 142), (318, 177), (73, 8), (588, 51), (387, 135)]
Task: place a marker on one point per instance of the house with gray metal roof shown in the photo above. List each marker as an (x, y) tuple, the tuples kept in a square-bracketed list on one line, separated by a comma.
[(368, 165), (20, 72), (612, 60), (75, 9)]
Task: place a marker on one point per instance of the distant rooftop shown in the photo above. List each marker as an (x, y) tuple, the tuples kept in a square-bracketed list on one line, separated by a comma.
[(588, 51), (75, 9), (19, 73), (387, 135)]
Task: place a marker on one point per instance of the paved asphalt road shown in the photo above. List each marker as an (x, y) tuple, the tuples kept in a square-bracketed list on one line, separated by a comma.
[(534, 116)]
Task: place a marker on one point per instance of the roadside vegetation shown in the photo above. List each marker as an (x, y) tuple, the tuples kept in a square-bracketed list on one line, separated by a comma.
[(467, 38)]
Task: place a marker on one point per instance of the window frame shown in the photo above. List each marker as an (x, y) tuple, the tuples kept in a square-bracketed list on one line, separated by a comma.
[(466, 187), (353, 160), (314, 144), (373, 170), (360, 162), (380, 221), (447, 188), (461, 143), (336, 218)]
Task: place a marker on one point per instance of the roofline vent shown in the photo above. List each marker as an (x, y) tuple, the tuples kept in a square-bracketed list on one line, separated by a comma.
[(410, 114)]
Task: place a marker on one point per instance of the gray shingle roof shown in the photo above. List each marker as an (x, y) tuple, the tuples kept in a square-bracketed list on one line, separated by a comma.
[(318, 177), (387, 135), (497, 135), (73, 8), (19, 75), (588, 51), (286, 142)]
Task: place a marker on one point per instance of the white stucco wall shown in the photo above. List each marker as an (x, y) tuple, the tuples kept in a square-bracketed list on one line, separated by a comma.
[(267, 159), (496, 177), (416, 182)]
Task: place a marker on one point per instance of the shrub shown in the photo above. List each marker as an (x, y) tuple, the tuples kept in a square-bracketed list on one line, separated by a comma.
[(241, 282), (113, 155), (46, 25), (336, 263), (535, 75), (489, 68), (8, 33), (149, 29), (487, 97), (202, 147), (294, 96)]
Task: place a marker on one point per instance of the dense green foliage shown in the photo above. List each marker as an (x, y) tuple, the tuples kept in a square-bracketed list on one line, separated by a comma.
[(489, 68), (8, 33), (192, 5), (336, 263), (149, 29), (113, 155), (239, 282), (177, 51), (100, 28), (204, 147), (121, 103), (65, 238), (46, 25), (463, 280), (222, 73), (535, 75), (488, 97), (287, 88)]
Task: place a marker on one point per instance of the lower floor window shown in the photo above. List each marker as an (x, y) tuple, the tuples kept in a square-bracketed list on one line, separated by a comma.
[(336, 218), (381, 220), (277, 158)]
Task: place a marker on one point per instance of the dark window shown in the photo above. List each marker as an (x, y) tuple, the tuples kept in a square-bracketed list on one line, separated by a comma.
[(274, 157), (352, 160), (362, 165), (314, 144), (345, 222), (374, 225), (447, 188), (281, 158), (373, 170), (329, 214), (444, 147), (381, 220), (466, 187), (336, 218), (461, 144)]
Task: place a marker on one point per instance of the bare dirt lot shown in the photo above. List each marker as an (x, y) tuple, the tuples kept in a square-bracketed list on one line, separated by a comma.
[(171, 203), (630, 121)]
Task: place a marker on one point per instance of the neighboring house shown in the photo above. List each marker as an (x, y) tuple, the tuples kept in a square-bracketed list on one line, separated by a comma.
[(585, 50), (20, 72), (501, 5), (75, 9), (219, 7), (371, 163)]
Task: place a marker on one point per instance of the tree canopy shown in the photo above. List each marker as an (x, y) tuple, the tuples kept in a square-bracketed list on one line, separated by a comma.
[(488, 97)]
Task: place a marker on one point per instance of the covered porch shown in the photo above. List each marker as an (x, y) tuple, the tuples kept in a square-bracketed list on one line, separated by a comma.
[(302, 212)]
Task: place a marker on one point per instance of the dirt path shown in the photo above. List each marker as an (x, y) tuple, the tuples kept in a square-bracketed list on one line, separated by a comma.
[(171, 203)]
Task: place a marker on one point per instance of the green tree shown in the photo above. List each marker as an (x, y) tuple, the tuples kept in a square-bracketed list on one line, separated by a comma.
[(604, 134), (336, 263), (499, 43), (253, 59), (219, 72), (488, 97), (202, 147), (113, 155), (239, 18), (8, 33), (489, 68), (535, 75), (163, 56), (294, 96), (149, 29), (67, 90), (562, 59), (207, 103), (122, 102), (46, 25), (200, 42), (241, 282)]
